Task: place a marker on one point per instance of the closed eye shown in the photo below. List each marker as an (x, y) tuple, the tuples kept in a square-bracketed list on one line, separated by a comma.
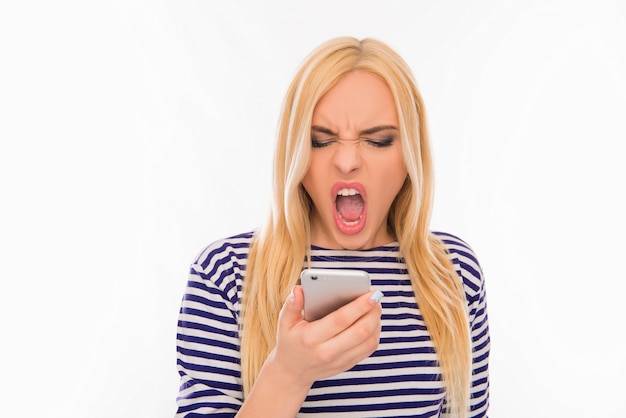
[(322, 142), (322, 137), (377, 136), (380, 142)]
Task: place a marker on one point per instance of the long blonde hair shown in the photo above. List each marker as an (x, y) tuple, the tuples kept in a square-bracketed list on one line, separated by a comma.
[(279, 248)]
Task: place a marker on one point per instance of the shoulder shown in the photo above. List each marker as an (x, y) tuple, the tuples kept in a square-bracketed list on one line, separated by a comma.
[(231, 248), (465, 262), (222, 263)]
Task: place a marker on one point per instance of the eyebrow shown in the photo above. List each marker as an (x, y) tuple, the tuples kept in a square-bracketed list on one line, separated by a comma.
[(368, 131)]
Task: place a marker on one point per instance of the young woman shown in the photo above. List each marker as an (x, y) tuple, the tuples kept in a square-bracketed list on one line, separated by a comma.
[(353, 186)]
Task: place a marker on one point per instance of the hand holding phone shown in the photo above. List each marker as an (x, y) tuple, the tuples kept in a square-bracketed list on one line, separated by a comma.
[(326, 290)]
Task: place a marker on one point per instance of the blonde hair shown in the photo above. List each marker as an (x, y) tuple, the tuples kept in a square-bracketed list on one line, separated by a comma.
[(279, 248)]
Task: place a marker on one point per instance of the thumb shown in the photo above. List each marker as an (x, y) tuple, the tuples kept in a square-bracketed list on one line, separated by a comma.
[(291, 313)]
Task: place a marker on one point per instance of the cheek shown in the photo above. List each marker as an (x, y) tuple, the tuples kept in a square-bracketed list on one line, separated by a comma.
[(392, 184), (312, 180), (391, 180), (394, 164)]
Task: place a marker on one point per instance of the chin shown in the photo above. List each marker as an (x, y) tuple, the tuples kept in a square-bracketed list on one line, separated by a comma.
[(360, 241)]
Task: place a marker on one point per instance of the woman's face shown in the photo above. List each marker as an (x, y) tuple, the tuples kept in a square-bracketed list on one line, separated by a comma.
[(357, 167)]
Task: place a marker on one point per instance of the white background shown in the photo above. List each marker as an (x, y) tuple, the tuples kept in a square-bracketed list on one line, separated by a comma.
[(134, 133)]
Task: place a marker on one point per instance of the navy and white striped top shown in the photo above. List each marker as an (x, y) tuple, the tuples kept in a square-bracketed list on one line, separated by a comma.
[(400, 379)]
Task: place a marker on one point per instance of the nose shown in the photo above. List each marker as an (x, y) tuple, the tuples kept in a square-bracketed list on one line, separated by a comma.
[(347, 157)]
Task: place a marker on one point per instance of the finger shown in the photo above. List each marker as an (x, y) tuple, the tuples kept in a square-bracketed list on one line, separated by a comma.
[(358, 342), (351, 357), (338, 321), (291, 312), (365, 330)]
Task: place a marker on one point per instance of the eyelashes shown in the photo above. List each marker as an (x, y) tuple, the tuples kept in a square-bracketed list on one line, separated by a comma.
[(320, 144), (376, 143), (380, 143)]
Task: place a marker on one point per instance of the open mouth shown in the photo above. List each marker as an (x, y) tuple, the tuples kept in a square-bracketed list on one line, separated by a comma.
[(349, 204), (350, 208)]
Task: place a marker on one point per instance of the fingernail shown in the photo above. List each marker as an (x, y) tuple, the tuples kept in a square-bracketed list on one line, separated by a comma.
[(291, 297), (376, 296)]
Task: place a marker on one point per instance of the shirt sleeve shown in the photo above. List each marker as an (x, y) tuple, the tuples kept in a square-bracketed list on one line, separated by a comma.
[(208, 358), (479, 331), (470, 272)]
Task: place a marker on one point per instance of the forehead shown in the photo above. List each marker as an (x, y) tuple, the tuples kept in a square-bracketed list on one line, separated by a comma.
[(358, 98)]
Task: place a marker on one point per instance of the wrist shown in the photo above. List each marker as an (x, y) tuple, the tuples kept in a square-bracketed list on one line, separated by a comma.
[(277, 392), (283, 375)]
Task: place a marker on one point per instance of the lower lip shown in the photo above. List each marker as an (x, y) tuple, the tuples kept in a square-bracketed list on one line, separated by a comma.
[(353, 227)]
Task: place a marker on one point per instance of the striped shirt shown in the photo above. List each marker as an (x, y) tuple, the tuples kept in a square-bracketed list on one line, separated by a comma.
[(400, 379)]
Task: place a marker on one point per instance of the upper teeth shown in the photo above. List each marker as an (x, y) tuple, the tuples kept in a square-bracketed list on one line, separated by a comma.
[(348, 192)]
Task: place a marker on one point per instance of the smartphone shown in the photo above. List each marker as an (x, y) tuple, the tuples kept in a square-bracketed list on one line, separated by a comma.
[(326, 290)]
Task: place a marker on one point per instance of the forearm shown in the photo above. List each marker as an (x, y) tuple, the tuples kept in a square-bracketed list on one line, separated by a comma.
[(276, 394)]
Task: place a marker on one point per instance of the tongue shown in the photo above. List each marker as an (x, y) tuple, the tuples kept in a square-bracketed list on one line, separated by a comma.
[(350, 207)]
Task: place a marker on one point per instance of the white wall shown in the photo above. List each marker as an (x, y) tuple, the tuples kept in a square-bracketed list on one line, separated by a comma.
[(135, 132)]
